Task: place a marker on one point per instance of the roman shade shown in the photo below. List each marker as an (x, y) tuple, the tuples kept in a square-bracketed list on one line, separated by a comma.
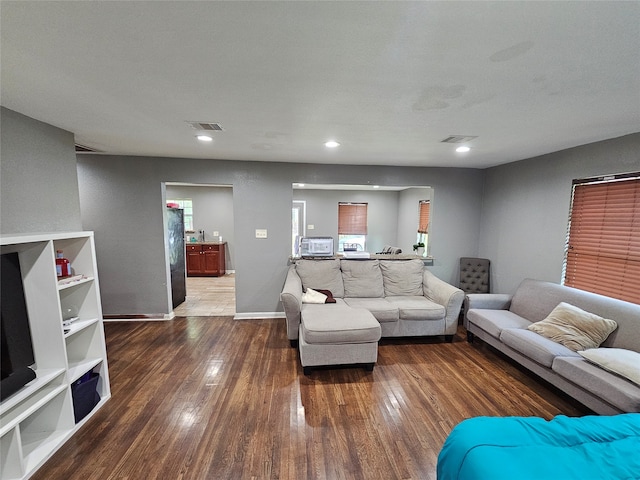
[(423, 222), (352, 218)]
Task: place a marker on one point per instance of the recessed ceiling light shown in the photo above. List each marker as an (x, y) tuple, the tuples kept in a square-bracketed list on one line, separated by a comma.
[(376, 186), (331, 144), (462, 149), (204, 138)]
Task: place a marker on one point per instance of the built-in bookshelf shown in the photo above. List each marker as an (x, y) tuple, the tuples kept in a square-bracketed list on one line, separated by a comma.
[(38, 419)]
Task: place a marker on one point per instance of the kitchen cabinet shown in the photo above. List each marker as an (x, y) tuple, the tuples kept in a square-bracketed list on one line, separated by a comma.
[(205, 259)]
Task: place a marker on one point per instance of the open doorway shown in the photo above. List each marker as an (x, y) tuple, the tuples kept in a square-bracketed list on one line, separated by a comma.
[(209, 245)]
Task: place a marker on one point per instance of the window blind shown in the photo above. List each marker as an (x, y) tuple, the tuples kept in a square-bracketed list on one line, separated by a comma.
[(603, 247), (423, 222), (352, 218)]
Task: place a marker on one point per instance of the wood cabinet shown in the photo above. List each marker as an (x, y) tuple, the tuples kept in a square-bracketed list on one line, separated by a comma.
[(205, 259), (39, 418)]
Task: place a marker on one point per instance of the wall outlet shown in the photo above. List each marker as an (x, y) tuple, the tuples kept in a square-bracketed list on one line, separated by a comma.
[(216, 233), (261, 233), (311, 227)]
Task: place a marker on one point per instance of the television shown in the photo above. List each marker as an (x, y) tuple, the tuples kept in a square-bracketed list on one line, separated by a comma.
[(16, 349)]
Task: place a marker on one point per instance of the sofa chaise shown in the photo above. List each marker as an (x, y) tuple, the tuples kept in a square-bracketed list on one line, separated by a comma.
[(604, 377), (373, 298)]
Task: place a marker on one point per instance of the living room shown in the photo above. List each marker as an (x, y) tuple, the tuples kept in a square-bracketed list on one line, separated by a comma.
[(514, 212)]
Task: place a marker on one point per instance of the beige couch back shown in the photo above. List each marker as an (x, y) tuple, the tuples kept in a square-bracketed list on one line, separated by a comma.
[(535, 299)]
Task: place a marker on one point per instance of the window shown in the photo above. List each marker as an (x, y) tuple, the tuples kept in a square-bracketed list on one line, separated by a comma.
[(185, 204), (424, 209), (352, 226), (603, 243)]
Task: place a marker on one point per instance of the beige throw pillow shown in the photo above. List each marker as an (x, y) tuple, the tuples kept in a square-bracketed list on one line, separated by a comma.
[(625, 363), (574, 328)]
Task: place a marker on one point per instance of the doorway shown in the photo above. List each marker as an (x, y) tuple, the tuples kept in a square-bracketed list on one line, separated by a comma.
[(210, 221)]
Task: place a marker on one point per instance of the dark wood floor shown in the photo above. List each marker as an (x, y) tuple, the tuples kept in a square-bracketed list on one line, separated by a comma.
[(214, 398)]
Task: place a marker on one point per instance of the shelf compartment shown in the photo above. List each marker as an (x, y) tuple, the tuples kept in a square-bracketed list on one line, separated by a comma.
[(32, 391), (75, 283), (30, 406), (78, 326), (43, 432), (11, 464), (78, 369)]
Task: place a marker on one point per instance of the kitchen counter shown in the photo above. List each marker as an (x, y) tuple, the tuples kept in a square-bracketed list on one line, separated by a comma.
[(205, 243)]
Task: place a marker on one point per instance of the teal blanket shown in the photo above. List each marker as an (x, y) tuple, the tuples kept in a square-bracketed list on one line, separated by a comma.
[(527, 448)]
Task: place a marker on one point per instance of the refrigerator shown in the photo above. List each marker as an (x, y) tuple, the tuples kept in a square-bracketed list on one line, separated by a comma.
[(175, 235)]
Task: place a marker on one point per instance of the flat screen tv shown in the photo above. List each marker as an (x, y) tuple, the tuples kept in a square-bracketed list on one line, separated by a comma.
[(16, 349)]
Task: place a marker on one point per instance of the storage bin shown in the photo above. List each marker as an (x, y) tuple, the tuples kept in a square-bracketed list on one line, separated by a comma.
[(85, 395)]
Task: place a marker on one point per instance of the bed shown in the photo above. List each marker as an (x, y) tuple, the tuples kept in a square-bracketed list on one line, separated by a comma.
[(527, 448)]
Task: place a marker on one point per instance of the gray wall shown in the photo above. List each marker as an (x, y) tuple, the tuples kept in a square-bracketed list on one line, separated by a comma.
[(38, 179), (123, 195), (526, 208), (212, 211)]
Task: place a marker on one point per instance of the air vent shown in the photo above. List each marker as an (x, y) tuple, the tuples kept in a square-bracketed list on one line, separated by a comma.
[(85, 149), (458, 139), (210, 127)]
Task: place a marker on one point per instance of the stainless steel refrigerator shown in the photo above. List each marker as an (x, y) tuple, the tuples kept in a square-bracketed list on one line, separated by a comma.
[(175, 234)]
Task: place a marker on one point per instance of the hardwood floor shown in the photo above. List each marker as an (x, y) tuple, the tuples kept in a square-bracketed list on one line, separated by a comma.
[(213, 398)]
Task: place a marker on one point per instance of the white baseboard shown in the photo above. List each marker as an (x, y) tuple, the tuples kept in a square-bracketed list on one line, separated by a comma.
[(153, 317), (258, 315)]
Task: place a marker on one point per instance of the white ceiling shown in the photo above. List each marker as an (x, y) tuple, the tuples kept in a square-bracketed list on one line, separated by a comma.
[(389, 80)]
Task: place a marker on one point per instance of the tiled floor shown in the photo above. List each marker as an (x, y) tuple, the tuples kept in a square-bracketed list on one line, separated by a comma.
[(209, 297)]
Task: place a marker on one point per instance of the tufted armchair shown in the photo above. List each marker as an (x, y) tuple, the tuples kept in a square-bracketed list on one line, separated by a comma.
[(474, 278), (474, 275)]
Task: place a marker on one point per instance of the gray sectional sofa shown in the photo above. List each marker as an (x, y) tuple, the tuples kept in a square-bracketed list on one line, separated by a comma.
[(404, 297), (502, 321)]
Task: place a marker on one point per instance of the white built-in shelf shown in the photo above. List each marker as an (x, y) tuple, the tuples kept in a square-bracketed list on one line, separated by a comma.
[(37, 420)]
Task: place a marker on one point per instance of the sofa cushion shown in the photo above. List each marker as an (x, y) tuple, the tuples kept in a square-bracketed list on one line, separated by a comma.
[(574, 328), (413, 307), (321, 275), (494, 321), (362, 278), (379, 307), (338, 324), (625, 363), (534, 346), (402, 277), (618, 391)]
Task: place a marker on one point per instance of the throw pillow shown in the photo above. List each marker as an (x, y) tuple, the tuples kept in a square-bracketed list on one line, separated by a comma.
[(574, 328), (625, 363), (311, 296)]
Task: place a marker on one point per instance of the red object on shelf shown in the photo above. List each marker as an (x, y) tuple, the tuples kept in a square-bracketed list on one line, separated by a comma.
[(63, 267)]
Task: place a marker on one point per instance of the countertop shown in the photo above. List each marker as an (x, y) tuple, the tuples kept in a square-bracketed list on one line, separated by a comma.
[(204, 243)]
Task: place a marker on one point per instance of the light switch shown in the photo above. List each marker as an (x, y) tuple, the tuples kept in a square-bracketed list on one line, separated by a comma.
[(216, 233), (261, 233), (311, 227)]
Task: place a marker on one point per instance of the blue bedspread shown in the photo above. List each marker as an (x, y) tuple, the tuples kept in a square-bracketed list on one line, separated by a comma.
[(527, 448)]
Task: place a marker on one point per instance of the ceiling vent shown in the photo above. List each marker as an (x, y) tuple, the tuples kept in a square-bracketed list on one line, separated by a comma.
[(209, 127), (85, 149), (458, 139)]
